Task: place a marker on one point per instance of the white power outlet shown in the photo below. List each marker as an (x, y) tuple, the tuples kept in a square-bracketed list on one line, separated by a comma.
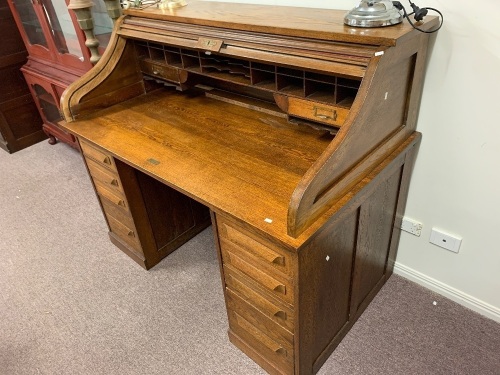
[(411, 226), (445, 240)]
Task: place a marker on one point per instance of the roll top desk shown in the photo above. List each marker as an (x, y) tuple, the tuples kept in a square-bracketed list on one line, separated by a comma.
[(292, 134)]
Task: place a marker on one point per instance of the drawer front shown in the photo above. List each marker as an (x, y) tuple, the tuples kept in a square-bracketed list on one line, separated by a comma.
[(271, 309), (113, 196), (324, 113), (255, 248), (279, 287), (101, 157), (280, 355), (123, 231), (163, 71), (117, 212), (276, 332), (107, 177)]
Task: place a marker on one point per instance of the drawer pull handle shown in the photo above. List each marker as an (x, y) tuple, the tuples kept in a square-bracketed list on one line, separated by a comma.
[(280, 314), (121, 202), (281, 350), (260, 336), (114, 182), (279, 260), (107, 160), (280, 289), (325, 113), (131, 233)]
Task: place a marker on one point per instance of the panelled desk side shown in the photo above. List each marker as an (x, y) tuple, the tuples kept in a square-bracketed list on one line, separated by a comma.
[(298, 150)]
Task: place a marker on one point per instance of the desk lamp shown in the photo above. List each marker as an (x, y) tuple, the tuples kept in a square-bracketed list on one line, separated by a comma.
[(373, 13)]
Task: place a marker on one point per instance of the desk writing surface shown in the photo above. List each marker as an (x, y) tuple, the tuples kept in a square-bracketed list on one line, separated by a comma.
[(232, 159)]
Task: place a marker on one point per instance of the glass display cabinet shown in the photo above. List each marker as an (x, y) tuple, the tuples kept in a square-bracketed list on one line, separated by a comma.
[(57, 53)]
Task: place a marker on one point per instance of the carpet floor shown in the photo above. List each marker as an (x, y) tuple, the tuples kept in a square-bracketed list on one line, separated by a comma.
[(71, 303)]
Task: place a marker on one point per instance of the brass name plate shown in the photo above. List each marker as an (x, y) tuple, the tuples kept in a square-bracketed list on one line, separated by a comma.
[(212, 45)]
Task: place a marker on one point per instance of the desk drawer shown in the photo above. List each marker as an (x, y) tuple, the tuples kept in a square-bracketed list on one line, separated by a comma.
[(278, 353), (324, 113), (126, 233), (279, 334), (273, 310), (160, 70), (117, 212), (114, 196), (256, 249), (279, 287), (106, 176), (100, 156)]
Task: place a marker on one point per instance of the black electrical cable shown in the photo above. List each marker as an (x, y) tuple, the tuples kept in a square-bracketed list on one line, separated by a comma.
[(422, 12)]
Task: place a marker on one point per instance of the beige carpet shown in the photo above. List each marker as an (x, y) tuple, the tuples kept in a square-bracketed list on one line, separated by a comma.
[(71, 303)]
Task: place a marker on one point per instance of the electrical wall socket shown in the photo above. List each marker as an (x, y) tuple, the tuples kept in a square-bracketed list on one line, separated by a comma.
[(411, 226), (445, 240)]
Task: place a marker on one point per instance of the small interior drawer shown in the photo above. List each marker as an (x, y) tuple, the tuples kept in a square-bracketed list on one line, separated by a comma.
[(319, 112), (100, 156), (160, 70), (274, 310), (107, 177)]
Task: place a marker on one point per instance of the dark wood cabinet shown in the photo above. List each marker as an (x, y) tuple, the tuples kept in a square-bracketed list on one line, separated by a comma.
[(20, 123), (57, 54)]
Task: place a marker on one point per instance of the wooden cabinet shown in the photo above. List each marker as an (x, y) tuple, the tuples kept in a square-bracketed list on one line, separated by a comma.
[(295, 132), (57, 54), (20, 123)]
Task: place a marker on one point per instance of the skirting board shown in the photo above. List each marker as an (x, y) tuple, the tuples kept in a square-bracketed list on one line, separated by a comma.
[(463, 299)]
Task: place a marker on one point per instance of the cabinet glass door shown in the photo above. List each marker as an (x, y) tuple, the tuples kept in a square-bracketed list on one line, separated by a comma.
[(63, 31), (48, 105), (67, 41), (33, 30)]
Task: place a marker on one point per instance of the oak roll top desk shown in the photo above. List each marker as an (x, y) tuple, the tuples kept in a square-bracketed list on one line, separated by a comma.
[(292, 134)]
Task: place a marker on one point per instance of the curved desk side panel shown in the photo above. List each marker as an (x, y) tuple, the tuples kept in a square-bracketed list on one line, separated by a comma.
[(382, 116), (114, 79)]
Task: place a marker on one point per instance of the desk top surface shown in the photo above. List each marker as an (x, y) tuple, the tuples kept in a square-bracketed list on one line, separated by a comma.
[(215, 152)]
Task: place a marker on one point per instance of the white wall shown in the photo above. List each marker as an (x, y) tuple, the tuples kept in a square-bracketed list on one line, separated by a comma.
[(456, 181)]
